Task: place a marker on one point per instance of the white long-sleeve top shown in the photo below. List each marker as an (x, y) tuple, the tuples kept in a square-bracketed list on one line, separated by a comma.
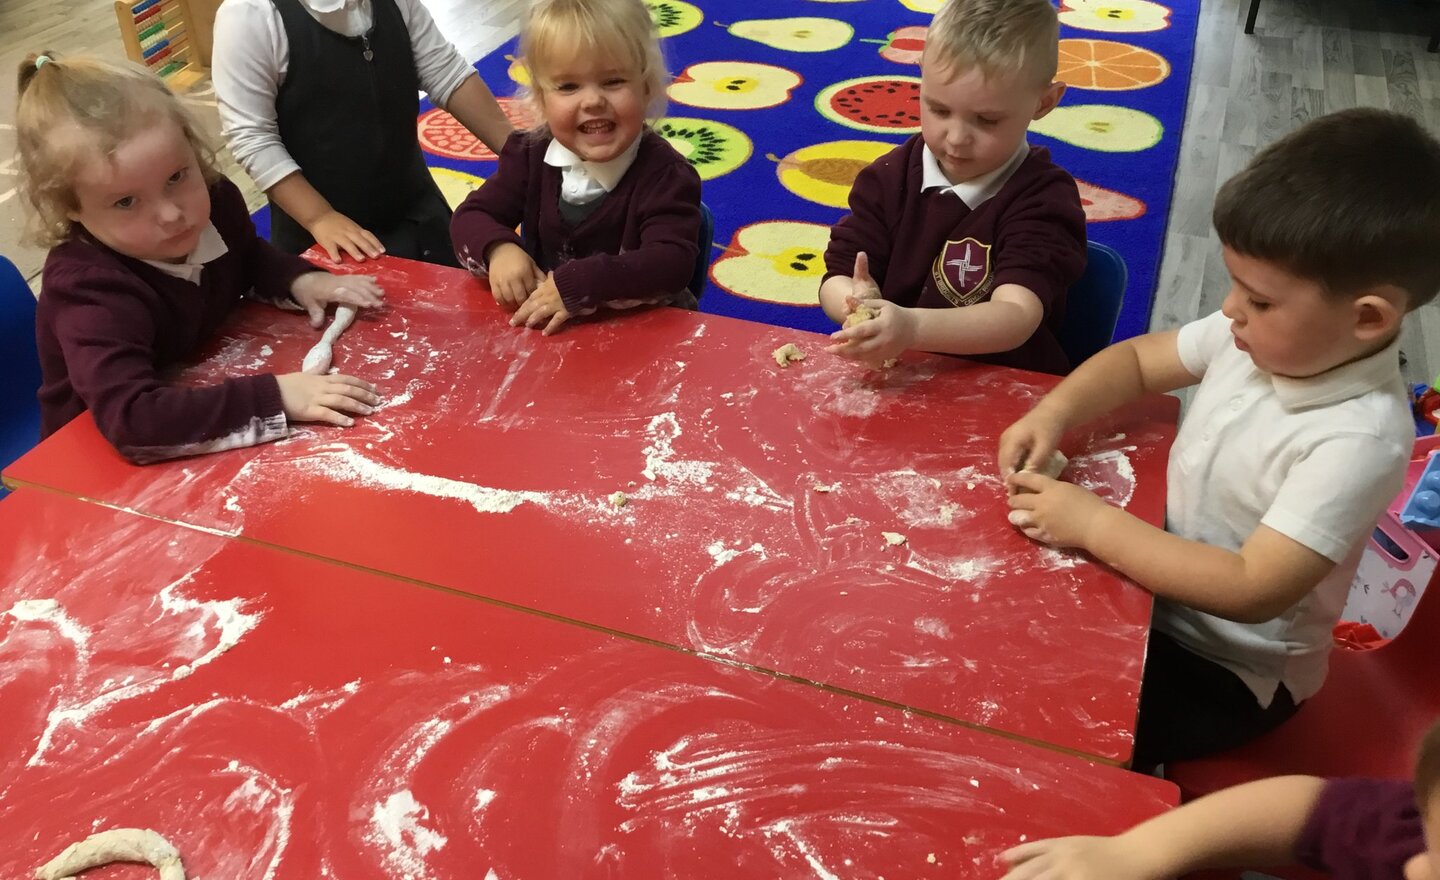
[(251, 56)]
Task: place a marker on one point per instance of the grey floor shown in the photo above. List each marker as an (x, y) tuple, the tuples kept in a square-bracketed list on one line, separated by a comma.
[(1307, 57)]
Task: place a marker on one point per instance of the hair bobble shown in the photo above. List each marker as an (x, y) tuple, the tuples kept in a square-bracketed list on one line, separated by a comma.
[(42, 60)]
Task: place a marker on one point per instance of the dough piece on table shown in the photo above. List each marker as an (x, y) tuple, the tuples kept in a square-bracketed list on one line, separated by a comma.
[(862, 313), (893, 539), (115, 845), (823, 489), (619, 499), (317, 360), (787, 354)]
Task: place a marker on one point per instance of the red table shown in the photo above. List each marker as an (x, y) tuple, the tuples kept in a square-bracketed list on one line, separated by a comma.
[(282, 717), (490, 472)]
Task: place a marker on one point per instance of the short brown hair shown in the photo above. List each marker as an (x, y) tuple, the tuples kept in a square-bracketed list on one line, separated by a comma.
[(621, 30), (73, 109), (997, 36), (1427, 771), (1350, 200)]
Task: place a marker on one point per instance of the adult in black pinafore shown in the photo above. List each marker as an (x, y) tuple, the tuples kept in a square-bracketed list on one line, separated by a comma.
[(346, 114)]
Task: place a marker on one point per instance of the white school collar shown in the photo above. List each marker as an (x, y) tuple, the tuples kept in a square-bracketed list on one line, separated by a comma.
[(1342, 383), (606, 174), (973, 193), (210, 247)]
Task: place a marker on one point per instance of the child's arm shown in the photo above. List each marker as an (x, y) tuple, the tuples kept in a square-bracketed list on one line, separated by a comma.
[(1253, 825), (1330, 496), (333, 231), (278, 277), (1003, 322), (860, 244), (669, 207), (107, 338), (837, 291), (483, 228), (475, 107), (1328, 501), (450, 81), (1122, 372), (1270, 572)]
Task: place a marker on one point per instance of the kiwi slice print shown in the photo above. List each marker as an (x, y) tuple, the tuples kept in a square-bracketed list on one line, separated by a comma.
[(713, 148), (673, 17)]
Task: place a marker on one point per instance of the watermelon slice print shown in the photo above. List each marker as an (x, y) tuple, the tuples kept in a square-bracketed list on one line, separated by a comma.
[(881, 104), (442, 134)]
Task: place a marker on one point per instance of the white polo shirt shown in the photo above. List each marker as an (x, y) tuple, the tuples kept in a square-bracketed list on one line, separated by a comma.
[(1315, 459)]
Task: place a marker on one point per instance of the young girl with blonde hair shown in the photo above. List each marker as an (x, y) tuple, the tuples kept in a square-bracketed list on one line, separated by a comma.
[(609, 212), (151, 249)]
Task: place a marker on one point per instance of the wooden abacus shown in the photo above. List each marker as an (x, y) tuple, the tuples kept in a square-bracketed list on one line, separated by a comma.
[(157, 34)]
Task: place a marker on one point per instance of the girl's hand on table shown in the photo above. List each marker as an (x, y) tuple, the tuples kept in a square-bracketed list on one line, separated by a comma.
[(543, 309), (314, 291), (326, 398)]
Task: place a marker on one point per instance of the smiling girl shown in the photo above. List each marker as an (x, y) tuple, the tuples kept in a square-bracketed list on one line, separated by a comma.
[(609, 212)]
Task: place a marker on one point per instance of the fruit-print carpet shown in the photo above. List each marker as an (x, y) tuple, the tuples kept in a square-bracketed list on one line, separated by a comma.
[(779, 104)]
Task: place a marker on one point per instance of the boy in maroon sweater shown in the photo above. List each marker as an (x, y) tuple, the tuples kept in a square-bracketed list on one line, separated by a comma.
[(964, 239), (1351, 829)]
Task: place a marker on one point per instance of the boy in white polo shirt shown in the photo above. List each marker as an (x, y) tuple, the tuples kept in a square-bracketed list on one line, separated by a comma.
[(1296, 439)]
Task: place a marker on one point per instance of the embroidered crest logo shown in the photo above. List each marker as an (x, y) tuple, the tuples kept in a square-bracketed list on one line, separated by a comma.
[(962, 271)]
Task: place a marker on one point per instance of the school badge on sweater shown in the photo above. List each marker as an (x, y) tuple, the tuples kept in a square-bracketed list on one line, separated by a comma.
[(962, 271)]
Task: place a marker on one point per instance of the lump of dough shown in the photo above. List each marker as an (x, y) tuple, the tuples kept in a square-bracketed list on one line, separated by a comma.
[(1053, 467), (861, 314), (893, 539), (824, 489), (619, 499), (787, 353), (115, 845)]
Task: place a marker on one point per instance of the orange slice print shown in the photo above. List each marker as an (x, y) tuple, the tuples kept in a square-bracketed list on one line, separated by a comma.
[(1108, 66)]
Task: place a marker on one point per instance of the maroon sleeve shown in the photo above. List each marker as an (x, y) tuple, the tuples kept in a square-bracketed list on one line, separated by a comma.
[(668, 210), (489, 215), (1362, 829), (271, 270), (867, 227), (1040, 240), (106, 336)]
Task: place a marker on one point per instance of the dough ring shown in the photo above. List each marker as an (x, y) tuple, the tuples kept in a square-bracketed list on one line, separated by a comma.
[(115, 845)]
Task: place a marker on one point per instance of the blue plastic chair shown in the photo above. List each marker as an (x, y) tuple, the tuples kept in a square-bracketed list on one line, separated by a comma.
[(20, 365), (1092, 307), (702, 261)]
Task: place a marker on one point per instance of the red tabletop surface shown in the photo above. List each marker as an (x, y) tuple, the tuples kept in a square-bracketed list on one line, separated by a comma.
[(491, 468), (282, 717)]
